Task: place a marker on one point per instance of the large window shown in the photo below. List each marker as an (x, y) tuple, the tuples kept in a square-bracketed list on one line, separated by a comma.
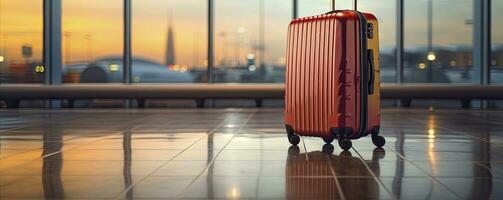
[(313, 7), (438, 41), (92, 37), (497, 42), (21, 25), (385, 11), (250, 40), (169, 41), (316, 7)]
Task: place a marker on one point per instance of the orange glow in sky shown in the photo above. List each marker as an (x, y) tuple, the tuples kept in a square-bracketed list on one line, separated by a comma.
[(94, 28), (20, 24)]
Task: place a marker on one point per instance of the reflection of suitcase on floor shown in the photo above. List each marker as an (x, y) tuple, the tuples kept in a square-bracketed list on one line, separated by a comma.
[(332, 78), (312, 178)]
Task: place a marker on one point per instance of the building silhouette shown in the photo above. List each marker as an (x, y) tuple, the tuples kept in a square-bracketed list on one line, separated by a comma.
[(170, 43)]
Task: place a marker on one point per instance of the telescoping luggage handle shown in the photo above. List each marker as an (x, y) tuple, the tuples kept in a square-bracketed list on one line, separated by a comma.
[(354, 5)]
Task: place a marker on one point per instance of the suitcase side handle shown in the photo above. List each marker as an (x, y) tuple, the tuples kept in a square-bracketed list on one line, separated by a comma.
[(370, 56)]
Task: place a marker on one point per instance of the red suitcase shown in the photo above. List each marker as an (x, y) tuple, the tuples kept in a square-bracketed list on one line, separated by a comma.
[(332, 78)]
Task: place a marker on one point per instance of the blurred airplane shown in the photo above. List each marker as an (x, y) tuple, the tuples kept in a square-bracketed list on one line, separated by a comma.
[(110, 70)]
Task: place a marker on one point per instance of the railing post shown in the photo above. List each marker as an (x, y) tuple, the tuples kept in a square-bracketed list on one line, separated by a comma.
[(210, 41), (399, 44), (211, 54), (127, 55), (481, 43), (52, 46), (127, 75), (399, 41)]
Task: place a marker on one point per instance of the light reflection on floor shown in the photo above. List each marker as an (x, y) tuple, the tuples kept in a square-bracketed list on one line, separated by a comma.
[(244, 153)]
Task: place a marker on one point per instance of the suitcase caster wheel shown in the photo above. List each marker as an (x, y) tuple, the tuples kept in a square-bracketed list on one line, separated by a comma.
[(294, 139), (345, 144), (328, 140), (378, 140), (328, 148)]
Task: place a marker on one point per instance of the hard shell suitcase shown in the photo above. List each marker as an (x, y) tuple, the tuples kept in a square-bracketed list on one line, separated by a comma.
[(332, 78)]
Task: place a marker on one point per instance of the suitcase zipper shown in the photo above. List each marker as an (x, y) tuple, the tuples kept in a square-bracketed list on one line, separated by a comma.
[(363, 75)]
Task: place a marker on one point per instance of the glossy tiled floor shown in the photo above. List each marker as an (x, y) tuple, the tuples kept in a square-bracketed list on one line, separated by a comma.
[(243, 153)]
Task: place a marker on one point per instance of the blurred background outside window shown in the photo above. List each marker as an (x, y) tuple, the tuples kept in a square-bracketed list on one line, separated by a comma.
[(21, 35), (170, 38)]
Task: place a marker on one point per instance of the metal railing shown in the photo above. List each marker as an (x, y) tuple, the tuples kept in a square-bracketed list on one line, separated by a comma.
[(13, 93)]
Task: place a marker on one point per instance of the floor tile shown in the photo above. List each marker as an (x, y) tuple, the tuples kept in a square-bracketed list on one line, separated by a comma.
[(495, 166), (454, 169), (57, 187), (159, 187), (311, 188), (244, 153), (475, 188), (417, 188), (223, 187), (353, 188), (107, 154), (182, 168)]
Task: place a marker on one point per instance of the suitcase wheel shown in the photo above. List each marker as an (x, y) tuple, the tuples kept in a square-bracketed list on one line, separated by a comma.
[(328, 148), (294, 139), (345, 144), (328, 140), (378, 140)]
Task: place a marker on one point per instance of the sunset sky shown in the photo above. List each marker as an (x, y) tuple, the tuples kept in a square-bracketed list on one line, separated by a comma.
[(93, 28)]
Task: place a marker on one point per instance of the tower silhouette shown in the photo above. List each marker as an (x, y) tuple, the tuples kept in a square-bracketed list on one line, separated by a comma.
[(170, 42)]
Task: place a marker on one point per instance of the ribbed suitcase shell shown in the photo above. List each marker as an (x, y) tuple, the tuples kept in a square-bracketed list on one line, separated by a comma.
[(313, 178), (323, 75)]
